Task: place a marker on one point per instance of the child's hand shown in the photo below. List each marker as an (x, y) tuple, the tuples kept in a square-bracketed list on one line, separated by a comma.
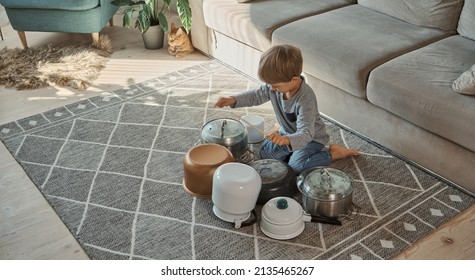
[(224, 101), (278, 139)]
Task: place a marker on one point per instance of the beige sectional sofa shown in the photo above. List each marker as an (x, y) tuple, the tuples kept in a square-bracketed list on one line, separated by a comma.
[(383, 68)]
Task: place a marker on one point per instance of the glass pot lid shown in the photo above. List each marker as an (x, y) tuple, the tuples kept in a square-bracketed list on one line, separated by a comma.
[(223, 131), (270, 170), (327, 184)]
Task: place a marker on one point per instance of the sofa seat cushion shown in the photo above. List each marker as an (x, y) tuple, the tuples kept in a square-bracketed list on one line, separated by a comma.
[(467, 20), (429, 13), (342, 46), (418, 88), (51, 4), (253, 23)]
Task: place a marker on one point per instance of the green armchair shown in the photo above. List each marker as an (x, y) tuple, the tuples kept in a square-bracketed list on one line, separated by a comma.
[(72, 16)]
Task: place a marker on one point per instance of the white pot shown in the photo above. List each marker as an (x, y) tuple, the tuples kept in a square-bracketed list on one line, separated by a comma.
[(253, 135), (236, 187), (282, 218)]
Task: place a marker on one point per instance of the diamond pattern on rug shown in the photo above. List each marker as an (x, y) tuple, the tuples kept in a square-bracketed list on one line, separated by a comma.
[(33, 121), (60, 131), (112, 168), (217, 244), (116, 191), (39, 150), (108, 228), (166, 200), (79, 155), (91, 131), (162, 239), (409, 228), (357, 252), (134, 136), (126, 161), (141, 114), (70, 184)]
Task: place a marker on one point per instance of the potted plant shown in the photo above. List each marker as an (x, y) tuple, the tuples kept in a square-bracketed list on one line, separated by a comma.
[(151, 19)]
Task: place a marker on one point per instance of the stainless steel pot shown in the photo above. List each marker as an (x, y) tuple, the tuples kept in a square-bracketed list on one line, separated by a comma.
[(227, 132), (326, 192)]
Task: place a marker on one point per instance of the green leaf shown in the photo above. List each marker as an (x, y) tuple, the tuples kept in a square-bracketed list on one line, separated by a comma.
[(151, 13), (163, 21), (143, 22), (184, 12), (128, 17)]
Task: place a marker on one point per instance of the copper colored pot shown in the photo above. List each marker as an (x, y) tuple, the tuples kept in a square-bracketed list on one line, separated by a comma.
[(199, 165)]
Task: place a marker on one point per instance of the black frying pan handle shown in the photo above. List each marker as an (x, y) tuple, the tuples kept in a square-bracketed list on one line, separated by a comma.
[(326, 220)]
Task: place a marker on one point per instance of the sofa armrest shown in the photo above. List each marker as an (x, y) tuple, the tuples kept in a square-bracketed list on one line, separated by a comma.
[(108, 11), (199, 30)]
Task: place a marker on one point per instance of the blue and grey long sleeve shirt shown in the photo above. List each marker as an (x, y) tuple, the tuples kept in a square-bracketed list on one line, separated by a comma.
[(298, 116)]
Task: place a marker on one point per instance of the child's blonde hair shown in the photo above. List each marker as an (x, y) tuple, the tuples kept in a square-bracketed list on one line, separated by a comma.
[(280, 64)]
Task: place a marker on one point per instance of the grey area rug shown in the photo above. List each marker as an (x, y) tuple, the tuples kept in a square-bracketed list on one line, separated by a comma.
[(112, 167)]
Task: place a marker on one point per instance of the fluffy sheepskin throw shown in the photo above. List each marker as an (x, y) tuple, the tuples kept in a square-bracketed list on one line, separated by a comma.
[(73, 66)]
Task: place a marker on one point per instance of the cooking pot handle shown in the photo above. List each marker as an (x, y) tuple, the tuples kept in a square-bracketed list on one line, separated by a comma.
[(252, 220), (354, 213), (247, 157), (320, 219), (325, 220)]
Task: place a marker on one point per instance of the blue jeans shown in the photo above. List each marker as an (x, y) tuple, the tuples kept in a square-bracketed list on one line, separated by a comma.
[(310, 156)]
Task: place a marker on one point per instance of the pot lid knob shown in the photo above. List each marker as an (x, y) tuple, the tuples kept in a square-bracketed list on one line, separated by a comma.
[(282, 203)]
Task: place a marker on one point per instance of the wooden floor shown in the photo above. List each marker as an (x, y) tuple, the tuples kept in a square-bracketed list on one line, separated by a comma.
[(29, 227)]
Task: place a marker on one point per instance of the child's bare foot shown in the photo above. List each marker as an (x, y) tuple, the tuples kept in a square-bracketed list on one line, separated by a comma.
[(339, 152)]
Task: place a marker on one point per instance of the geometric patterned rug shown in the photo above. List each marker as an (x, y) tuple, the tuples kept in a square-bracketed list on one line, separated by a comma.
[(112, 167)]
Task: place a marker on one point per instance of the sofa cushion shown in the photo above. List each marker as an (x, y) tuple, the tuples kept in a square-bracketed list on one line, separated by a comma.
[(51, 4), (466, 25), (466, 82), (253, 23), (441, 14), (342, 46), (417, 88)]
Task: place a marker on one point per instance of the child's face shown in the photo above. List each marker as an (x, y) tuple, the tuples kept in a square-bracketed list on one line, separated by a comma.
[(282, 87), (285, 86)]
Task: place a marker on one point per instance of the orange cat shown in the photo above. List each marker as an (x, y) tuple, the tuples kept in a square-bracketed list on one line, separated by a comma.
[(179, 43)]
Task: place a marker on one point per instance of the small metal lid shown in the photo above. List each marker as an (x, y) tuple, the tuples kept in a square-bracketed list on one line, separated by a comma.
[(327, 184), (270, 170), (223, 131)]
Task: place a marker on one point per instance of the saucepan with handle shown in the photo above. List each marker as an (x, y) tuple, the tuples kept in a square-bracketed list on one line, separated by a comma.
[(283, 218)]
